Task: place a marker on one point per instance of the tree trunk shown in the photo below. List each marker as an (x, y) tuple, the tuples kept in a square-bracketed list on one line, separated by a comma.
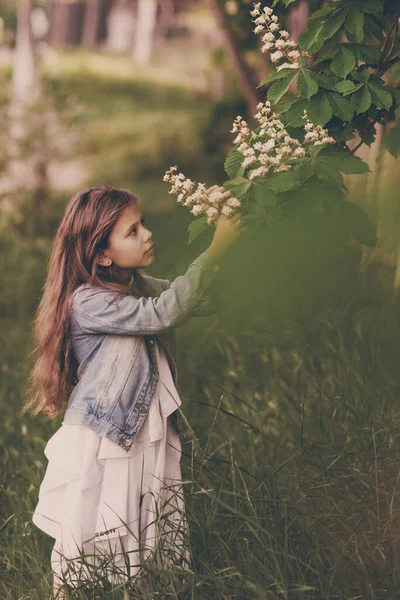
[(25, 79), (120, 27), (58, 35), (244, 74), (91, 23), (297, 20), (144, 32), (25, 173)]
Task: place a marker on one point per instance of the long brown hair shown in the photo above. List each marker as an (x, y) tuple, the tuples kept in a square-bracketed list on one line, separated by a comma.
[(84, 230)]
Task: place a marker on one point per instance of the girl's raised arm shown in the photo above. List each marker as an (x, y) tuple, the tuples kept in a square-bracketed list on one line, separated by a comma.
[(97, 310), (205, 306)]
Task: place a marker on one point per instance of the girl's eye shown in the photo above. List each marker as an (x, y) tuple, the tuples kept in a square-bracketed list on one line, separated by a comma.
[(134, 229)]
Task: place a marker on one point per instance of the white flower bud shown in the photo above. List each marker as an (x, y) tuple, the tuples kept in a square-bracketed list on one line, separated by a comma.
[(227, 210), (275, 56)]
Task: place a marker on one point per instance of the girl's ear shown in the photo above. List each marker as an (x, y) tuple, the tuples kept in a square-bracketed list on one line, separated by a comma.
[(102, 259)]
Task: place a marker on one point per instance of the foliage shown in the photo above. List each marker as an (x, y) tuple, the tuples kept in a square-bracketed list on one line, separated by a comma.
[(340, 84)]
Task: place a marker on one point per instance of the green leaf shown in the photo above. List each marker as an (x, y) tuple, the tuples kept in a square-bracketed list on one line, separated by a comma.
[(362, 74), (197, 227), (341, 107), (281, 182), (322, 12), (312, 39), (295, 113), (319, 109), (392, 140), (328, 173), (325, 54), (368, 54), (343, 160), (233, 164), (362, 124), (306, 85), (346, 86), (373, 28), (262, 195), (361, 226), (279, 88), (334, 23), (322, 80), (379, 96), (355, 25), (315, 192), (239, 186), (369, 6), (276, 75), (394, 92), (344, 62), (286, 103), (395, 72), (362, 100), (304, 171)]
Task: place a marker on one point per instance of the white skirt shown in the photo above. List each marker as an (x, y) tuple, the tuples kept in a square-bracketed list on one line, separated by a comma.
[(116, 508)]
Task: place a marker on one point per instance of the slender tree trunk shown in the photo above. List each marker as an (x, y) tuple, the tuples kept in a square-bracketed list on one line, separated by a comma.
[(25, 173), (120, 26), (297, 20), (91, 25), (144, 32), (58, 34), (244, 74), (25, 79)]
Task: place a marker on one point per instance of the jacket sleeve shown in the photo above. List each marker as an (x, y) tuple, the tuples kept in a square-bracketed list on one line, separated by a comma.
[(98, 310), (204, 307)]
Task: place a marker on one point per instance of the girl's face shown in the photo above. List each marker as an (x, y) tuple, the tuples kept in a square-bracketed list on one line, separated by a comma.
[(129, 244)]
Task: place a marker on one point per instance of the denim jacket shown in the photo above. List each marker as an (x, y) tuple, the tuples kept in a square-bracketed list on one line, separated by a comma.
[(113, 340)]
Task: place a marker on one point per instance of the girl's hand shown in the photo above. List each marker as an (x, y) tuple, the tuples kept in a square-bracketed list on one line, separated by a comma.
[(228, 229)]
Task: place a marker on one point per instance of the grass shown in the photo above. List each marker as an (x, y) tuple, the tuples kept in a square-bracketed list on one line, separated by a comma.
[(291, 464)]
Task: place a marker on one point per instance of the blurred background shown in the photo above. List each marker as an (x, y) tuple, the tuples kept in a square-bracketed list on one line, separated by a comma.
[(306, 349)]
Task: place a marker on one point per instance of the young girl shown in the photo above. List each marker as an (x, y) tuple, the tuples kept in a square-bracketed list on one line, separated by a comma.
[(105, 348)]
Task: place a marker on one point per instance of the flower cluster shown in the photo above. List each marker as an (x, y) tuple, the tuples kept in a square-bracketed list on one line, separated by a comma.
[(316, 133), (270, 147), (287, 50), (199, 199)]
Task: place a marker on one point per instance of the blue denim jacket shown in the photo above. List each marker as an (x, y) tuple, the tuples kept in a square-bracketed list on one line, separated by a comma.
[(113, 340)]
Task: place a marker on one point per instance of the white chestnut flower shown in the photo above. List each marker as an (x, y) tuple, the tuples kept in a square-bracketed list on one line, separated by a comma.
[(227, 210), (279, 44), (268, 37), (256, 10), (212, 211), (248, 161), (267, 46), (233, 202), (196, 210), (275, 56)]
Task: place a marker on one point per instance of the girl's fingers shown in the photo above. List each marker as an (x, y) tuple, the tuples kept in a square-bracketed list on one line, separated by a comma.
[(212, 189)]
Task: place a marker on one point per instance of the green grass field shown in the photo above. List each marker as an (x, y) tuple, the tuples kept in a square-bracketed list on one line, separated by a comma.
[(291, 466)]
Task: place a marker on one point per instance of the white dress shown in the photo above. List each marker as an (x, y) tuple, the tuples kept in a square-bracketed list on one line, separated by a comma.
[(116, 507)]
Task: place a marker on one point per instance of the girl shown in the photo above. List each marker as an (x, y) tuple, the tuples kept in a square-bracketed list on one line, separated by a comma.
[(105, 347)]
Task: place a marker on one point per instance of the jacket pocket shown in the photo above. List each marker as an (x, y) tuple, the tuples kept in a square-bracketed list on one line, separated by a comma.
[(120, 353)]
